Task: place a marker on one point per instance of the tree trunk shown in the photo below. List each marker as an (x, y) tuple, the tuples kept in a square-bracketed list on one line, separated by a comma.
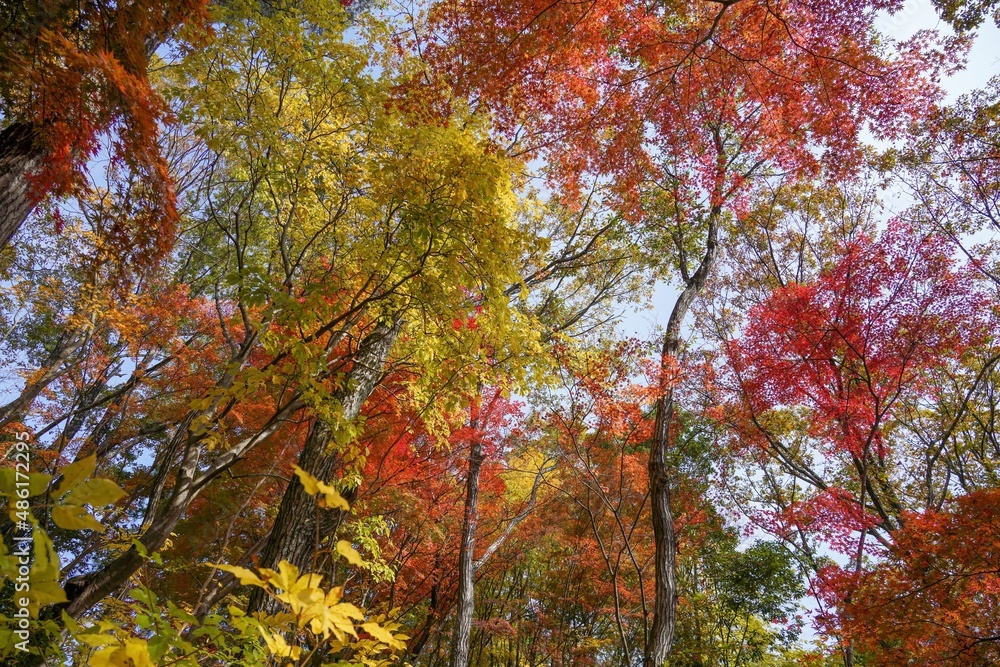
[(86, 591), (192, 476), (66, 346), (20, 155), (300, 523), (466, 567), (661, 635)]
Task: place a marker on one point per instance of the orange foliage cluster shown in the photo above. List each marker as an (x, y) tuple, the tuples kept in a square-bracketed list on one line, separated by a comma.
[(77, 73)]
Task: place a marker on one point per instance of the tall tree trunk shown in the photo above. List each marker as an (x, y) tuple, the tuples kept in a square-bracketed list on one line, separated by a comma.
[(300, 522), (661, 634), (466, 567), (20, 155)]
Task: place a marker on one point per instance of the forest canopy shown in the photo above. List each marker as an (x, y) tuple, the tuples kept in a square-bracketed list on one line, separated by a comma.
[(318, 335)]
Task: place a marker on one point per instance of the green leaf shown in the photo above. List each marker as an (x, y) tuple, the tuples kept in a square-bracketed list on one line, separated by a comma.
[(144, 595)]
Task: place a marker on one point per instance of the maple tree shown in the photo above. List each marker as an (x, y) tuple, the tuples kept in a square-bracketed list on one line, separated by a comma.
[(934, 597), (74, 75), (684, 106), (831, 374)]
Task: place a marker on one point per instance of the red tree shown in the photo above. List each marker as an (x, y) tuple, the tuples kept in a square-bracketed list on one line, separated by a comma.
[(849, 351), (69, 73), (681, 104), (936, 598)]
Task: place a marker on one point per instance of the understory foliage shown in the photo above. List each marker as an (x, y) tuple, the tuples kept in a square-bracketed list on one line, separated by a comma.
[(320, 347)]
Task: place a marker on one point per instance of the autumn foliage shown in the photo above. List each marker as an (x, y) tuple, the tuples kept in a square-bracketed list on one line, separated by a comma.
[(935, 597), (76, 77), (496, 333)]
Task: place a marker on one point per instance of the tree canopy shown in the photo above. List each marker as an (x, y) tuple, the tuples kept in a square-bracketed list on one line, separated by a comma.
[(315, 323)]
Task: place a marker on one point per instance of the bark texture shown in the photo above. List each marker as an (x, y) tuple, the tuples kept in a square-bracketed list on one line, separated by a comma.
[(20, 155), (300, 523), (466, 566), (661, 636)]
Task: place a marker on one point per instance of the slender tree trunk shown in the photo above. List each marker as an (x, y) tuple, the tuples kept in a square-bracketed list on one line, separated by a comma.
[(225, 583), (661, 635), (466, 566), (84, 592), (469, 568), (300, 522), (664, 540), (437, 610), (65, 348), (20, 155)]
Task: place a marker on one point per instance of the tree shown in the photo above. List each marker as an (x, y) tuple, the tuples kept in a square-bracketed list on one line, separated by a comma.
[(935, 597), (950, 167), (332, 240), (826, 372), (371, 404), (965, 15), (682, 105), (298, 298), (72, 72)]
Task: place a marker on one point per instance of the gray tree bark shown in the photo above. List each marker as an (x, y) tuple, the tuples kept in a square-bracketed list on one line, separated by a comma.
[(20, 155), (466, 566), (661, 636)]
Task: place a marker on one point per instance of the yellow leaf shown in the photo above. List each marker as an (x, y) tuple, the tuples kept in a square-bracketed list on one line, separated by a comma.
[(348, 610), (345, 549), (37, 483), (277, 645), (44, 593), (309, 596), (45, 588), (74, 517), (330, 499), (383, 635), (133, 653), (309, 483), (105, 657), (95, 492), (9, 478), (46, 565), (246, 577), (93, 637), (334, 595), (75, 473), (284, 578)]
